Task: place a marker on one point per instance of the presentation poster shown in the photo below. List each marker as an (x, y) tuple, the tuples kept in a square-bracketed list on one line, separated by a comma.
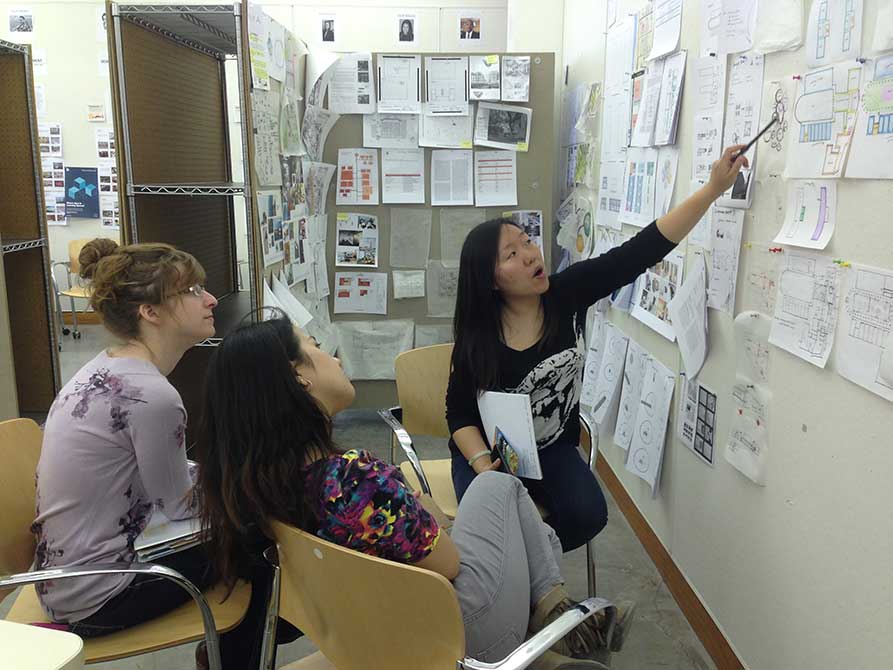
[(82, 192)]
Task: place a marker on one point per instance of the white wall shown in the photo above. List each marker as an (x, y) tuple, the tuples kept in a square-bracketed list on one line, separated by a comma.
[(371, 25), (798, 574)]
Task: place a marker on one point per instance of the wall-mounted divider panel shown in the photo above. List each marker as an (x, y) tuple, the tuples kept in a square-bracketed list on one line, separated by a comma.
[(29, 363), (174, 161)]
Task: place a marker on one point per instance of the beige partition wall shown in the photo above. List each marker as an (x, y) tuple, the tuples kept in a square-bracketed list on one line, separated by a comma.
[(535, 181)]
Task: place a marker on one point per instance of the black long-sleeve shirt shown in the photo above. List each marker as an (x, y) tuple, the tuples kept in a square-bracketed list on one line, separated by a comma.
[(553, 376)]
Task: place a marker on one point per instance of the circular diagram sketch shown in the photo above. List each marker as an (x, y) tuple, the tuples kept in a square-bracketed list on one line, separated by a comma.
[(610, 372), (616, 345), (623, 433), (648, 403), (641, 460), (646, 432)]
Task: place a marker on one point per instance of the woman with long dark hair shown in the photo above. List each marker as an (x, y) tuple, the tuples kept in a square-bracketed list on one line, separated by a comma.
[(520, 331), (268, 454)]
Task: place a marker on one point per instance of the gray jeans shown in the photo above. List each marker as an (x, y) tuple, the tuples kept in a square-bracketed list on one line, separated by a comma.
[(509, 560)]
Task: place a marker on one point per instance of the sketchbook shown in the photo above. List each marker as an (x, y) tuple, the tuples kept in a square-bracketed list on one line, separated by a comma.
[(508, 420), (162, 537)]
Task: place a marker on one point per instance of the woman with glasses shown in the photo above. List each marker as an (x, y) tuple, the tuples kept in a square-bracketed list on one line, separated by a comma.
[(114, 448)]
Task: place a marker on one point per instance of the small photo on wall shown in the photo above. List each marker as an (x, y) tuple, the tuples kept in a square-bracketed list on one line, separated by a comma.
[(406, 27), (327, 25), (21, 20), (469, 26)]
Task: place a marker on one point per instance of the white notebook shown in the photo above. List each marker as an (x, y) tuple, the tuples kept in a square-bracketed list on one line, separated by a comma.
[(510, 413)]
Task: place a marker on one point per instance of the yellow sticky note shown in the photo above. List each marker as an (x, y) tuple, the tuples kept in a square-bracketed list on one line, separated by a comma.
[(521, 146), (343, 217), (491, 60), (465, 144)]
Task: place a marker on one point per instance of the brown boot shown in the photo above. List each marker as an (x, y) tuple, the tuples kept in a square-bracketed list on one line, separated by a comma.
[(552, 661)]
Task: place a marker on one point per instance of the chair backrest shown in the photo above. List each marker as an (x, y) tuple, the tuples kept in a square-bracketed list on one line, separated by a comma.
[(74, 250), (367, 613), (19, 452), (422, 377)]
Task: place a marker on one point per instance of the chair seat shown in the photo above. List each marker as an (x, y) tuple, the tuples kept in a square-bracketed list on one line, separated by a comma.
[(440, 478), (180, 626), (32, 648), (76, 292), (313, 662)]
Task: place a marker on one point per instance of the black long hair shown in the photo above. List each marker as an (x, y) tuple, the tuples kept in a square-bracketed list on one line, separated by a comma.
[(477, 324), (260, 428)]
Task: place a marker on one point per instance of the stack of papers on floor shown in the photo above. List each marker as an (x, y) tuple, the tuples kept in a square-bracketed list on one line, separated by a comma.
[(163, 537)]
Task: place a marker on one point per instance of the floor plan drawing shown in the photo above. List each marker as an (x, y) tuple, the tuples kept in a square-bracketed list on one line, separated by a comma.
[(834, 31), (806, 307), (824, 118), (873, 139), (865, 345)]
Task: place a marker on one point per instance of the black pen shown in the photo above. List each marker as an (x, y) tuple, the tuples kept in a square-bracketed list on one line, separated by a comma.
[(751, 143)]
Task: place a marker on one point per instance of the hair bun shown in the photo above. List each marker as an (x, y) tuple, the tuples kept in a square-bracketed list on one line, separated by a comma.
[(93, 252)]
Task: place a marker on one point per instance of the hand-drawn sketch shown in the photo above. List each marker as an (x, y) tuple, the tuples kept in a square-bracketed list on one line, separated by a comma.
[(834, 31), (865, 345), (752, 346), (811, 214), (265, 112), (748, 446), (806, 307), (778, 101), (873, 139), (725, 244), (760, 282), (647, 443), (630, 394), (824, 117)]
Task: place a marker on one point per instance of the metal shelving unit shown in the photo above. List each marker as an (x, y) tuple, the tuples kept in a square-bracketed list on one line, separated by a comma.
[(23, 238), (214, 31), (170, 95)]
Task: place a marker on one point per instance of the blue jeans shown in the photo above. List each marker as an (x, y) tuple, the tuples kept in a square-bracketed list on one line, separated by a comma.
[(568, 491)]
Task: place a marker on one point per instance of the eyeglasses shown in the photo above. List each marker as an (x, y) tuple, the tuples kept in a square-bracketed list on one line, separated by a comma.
[(196, 289)]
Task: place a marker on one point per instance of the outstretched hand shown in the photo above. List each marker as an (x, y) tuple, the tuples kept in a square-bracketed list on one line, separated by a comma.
[(724, 171)]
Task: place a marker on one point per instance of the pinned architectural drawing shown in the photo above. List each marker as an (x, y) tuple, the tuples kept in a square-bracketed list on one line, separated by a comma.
[(811, 214), (806, 307), (834, 31), (865, 334), (873, 138), (824, 118), (748, 446)]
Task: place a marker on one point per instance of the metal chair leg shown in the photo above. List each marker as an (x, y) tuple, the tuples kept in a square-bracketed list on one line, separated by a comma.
[(75, 333), (590, 568), (268, 653)]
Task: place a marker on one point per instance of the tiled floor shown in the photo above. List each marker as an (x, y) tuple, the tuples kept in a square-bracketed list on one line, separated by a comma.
[(661, 638)]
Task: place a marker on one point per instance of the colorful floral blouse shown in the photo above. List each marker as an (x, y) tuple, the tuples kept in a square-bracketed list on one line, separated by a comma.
[(365, 505)]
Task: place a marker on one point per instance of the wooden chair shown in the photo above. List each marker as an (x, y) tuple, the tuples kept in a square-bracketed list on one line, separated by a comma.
[(20, 441), (80, 291), (422, 377), (367, 613)]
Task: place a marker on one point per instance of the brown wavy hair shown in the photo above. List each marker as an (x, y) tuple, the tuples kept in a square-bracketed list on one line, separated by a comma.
[(123, 278)]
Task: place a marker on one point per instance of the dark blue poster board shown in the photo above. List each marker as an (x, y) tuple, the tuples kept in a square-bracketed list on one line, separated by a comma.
[(82, 192)]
